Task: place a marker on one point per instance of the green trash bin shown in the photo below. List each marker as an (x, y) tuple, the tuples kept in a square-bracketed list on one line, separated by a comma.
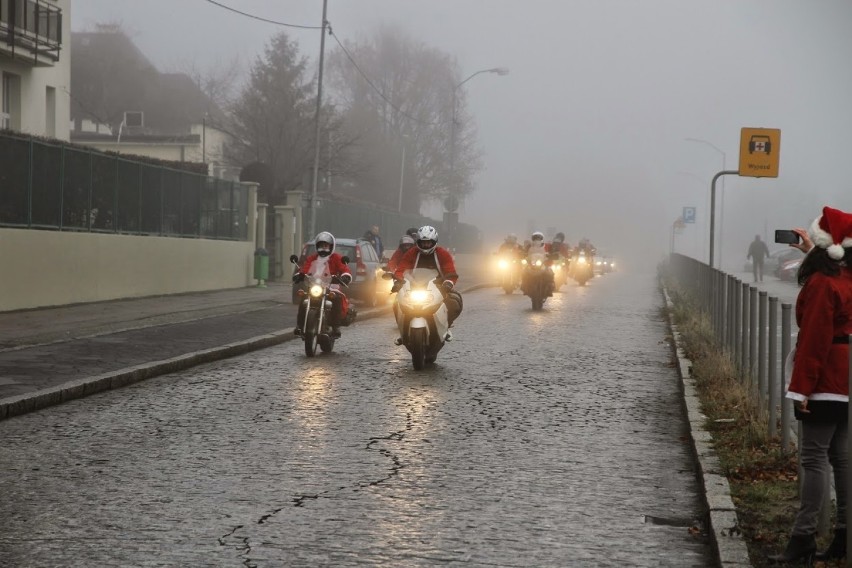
[(261, 266)]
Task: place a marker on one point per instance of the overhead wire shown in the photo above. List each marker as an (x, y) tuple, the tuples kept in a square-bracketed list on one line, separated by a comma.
[(349, 56), (268, 21), (375, 88)]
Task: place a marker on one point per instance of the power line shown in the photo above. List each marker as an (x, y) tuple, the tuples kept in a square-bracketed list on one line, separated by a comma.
[(375, 88), (268, 21)]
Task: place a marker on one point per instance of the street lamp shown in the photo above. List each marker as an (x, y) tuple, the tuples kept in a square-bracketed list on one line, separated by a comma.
[(722, 197), (453, 192)]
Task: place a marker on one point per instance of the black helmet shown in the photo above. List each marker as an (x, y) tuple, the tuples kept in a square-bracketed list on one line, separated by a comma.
[(559, 237), (412, 232)]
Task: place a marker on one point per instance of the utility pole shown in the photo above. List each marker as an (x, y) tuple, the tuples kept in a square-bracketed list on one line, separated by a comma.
[(313, 219)]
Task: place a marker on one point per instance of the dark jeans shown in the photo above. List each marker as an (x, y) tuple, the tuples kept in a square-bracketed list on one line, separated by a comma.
[(757, 269), (823, 445)]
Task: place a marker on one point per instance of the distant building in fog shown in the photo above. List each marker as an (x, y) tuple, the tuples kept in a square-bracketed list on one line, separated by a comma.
[(121, 103)]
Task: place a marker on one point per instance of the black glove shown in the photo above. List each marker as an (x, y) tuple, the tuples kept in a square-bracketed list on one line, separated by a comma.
[(345, 279), (448, 285), (298, 277), (397, 286)]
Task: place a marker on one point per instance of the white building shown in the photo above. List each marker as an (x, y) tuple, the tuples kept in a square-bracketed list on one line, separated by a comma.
[(35, 67), (123, 104)]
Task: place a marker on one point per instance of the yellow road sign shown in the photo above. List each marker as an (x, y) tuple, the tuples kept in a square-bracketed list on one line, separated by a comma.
[(759, 152)]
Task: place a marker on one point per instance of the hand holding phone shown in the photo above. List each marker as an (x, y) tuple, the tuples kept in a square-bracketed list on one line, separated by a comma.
[(786, 236)]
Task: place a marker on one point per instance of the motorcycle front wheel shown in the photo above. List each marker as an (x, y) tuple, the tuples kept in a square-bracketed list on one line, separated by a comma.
[(417, 340), (311, 333)]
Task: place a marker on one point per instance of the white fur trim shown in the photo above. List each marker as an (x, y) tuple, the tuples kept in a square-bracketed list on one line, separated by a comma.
[(847, 242), (829, 396), (836, 252), (818, 236)]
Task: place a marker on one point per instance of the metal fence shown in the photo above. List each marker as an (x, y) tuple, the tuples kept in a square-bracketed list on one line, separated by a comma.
[(746, 326), (53, 186)]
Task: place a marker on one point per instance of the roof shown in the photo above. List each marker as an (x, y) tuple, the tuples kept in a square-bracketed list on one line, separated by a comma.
[(110, 75)]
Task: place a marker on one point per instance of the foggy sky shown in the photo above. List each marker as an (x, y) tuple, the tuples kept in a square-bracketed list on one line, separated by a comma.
[(586, 134)]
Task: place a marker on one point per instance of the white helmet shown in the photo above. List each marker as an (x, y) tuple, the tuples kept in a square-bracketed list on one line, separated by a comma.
[(427, 239), (324, 243), (538, 235)]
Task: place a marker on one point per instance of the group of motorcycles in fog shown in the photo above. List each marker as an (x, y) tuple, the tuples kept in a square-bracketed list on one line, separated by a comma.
[(540, 269), (420, 312)]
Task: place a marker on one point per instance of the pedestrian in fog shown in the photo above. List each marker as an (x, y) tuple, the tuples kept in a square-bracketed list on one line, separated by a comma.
[(375, 239), (819, 385), (757, 252)]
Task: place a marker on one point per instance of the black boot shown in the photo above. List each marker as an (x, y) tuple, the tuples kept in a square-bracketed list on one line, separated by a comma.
[(837, 549), (801, 548)]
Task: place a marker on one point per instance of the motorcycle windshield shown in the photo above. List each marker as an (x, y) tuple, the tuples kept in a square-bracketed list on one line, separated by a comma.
[(420, 277)]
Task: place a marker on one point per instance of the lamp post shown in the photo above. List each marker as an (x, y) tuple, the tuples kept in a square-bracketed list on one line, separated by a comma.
[(454, 190), (722, 199)]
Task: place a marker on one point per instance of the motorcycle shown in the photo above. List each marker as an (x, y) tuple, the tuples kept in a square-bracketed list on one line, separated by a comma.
[(559, 266), (508, 273), (421, 316), (317, 299), (582, 268), (538, 278)]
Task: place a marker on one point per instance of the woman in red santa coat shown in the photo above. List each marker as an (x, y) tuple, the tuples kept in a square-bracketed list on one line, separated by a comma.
[(819, 386)]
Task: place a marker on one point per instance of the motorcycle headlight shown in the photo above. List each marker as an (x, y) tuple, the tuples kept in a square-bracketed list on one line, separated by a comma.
[(582, 260), (556, 267), (538, 263), (316, 290), (598, 263), (503, 264), (524, 261), (420, 296)]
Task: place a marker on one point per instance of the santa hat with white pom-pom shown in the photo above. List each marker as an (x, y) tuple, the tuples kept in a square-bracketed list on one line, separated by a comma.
[(832, 231)]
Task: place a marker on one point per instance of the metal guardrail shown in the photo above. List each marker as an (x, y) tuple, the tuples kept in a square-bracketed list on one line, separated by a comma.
[(745, 324), (53, 186)]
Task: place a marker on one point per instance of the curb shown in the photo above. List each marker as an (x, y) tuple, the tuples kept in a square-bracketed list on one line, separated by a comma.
[(79, 388), (731, 549)]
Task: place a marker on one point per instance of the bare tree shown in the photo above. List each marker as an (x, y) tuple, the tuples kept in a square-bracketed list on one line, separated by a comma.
[(395, 92)]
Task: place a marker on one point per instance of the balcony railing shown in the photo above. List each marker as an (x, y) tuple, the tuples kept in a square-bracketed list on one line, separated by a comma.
[(31, 29)]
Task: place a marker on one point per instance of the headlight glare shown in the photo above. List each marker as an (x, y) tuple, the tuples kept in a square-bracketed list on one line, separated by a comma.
[(316, 290)]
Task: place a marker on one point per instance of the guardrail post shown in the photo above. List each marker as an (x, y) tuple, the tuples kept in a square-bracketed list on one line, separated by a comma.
[(736, 352), (746, 368), (773, 366), (752, 334), (761, 352), (786, 407)]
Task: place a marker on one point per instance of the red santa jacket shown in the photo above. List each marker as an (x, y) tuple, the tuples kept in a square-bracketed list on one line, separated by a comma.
[(823, 312), (336, 266), (440, 259)]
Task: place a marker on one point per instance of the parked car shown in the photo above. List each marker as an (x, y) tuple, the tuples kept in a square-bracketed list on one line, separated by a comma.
[(789, 269), (364, 264)]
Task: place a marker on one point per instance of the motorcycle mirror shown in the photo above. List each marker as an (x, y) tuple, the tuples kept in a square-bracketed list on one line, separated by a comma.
[(294, 259), (345, 260)]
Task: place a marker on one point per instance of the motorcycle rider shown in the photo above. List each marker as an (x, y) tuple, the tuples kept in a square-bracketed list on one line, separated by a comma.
[(510, 245), (559, 246), (405, 243), (537, 247), (326, 262), (427, 254)]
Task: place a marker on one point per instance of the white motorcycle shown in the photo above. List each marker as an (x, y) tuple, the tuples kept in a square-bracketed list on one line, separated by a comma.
[(421, 316)]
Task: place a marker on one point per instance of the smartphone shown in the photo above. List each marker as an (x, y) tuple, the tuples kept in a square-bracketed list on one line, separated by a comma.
[(786, 237)]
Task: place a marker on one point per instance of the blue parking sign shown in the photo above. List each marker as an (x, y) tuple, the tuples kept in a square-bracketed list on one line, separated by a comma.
[(689, 214)]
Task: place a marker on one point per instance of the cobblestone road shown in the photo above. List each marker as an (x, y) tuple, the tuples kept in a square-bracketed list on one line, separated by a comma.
[(538, 439)]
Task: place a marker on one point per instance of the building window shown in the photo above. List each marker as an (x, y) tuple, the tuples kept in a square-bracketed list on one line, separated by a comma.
[(50, 112), (134, 119), (10, 102)]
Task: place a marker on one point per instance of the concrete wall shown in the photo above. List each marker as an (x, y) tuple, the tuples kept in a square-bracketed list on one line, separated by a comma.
[(49, 268)]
